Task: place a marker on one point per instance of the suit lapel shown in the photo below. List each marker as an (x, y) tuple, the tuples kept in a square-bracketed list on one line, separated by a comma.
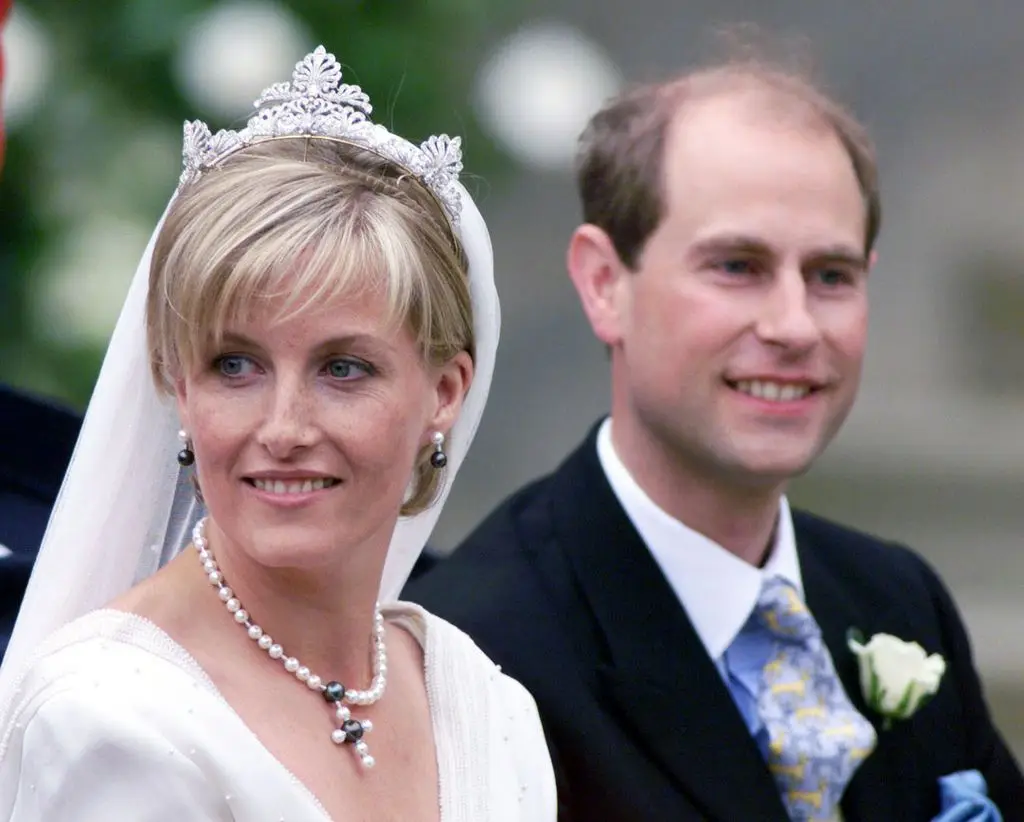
[(659, 678), (871, 793)]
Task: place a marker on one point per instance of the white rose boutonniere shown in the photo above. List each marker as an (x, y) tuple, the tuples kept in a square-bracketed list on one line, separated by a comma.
[(896, 677)]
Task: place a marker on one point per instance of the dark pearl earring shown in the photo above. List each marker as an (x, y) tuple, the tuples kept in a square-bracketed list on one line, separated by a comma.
[(186, 456), (438, 459)]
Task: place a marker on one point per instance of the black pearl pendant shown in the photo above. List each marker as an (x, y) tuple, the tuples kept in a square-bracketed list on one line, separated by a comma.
[(186, 457), (353, 729), (334, 691), (438, 459)]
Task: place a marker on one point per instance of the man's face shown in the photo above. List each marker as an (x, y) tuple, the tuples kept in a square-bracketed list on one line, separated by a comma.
[(738, 342)]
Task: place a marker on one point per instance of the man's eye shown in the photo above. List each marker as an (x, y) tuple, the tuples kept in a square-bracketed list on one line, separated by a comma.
[(834, 277), (736, 266)]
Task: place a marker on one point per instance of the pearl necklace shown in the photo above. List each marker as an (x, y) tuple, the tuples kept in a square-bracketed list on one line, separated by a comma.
[(349, 730)]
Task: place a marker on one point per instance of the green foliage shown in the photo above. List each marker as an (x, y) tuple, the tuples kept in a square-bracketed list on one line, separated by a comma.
[(106, 143)]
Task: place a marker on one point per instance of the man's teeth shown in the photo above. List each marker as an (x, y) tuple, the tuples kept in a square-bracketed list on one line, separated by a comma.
[(294, 487), (773, 391)]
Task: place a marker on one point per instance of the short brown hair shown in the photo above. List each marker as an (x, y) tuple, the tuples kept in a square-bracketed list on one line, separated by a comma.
[(306, 220), (620, 159)]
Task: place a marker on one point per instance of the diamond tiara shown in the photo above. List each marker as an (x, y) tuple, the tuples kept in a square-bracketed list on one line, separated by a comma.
[(317, 104)]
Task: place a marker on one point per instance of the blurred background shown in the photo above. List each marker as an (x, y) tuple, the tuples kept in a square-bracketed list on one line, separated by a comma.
[(96, 93)]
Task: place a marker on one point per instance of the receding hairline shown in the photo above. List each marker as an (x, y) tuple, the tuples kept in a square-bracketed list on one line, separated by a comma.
[(621, 153), (757, 88)]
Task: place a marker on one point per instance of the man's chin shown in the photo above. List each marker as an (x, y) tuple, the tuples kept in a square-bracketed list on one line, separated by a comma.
[(774, 468)]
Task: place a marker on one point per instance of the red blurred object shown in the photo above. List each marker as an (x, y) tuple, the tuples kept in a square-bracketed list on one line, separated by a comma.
[(5, 6)]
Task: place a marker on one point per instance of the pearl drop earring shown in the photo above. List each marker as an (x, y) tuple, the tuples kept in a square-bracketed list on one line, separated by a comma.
[(438, 459), (186, 456)]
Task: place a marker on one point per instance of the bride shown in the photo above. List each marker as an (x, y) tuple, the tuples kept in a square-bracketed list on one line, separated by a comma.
[(317, 312)]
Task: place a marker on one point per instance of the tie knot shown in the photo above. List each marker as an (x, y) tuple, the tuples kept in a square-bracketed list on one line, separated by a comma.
[(783, 612)]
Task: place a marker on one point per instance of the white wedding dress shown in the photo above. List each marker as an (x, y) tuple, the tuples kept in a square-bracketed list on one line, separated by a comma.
[(116, 721)]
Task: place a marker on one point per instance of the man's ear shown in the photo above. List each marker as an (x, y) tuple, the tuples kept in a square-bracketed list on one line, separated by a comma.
[(599, 277)]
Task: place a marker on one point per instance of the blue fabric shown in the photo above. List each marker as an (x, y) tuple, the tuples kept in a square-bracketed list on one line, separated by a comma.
[(964, 798), (782, 679), (741, 667)]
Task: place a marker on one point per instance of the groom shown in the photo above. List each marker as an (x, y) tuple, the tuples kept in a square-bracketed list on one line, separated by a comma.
[(685, 634)]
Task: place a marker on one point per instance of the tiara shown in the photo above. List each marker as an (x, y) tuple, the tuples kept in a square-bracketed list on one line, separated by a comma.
[(317, 104)]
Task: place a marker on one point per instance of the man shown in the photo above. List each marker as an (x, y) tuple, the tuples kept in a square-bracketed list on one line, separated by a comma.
[(684, 634), (36, 441)]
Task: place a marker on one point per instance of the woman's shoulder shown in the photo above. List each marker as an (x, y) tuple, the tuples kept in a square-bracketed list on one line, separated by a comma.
[(102, 716), (106, 656)]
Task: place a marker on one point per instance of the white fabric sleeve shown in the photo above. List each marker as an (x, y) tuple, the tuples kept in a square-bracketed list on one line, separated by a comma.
[(84, 760), (538, 801)]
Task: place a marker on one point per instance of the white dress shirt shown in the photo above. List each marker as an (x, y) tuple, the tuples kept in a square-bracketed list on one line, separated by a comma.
[(717, 589)]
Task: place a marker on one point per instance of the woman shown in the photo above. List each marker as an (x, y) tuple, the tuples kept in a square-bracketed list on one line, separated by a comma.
[(320, 300)]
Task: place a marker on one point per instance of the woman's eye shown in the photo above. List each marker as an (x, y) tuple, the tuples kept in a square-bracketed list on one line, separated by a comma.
[(234, 365), (347, 369)]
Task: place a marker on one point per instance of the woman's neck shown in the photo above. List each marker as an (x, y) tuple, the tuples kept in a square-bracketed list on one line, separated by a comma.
[(324, 617)]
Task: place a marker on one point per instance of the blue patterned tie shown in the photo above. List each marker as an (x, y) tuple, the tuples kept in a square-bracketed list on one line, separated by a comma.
[(816, 738)]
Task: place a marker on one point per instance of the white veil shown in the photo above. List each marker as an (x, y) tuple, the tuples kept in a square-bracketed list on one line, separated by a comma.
[(125, 508)]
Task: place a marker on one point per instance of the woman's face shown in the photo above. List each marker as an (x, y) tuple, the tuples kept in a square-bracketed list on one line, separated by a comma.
[(306, 431)]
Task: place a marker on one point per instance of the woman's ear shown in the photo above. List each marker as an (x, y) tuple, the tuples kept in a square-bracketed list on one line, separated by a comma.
[(452, 383)]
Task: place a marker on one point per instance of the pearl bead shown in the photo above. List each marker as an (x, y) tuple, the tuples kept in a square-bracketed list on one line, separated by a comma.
[(351, 730)]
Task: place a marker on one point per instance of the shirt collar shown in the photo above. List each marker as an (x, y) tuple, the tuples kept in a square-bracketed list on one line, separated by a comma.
[(717, 589)]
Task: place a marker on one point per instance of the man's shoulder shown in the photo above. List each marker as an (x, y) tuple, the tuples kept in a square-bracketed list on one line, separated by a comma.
[(885, 566), (492, 579), (838, 538), (498, 546)]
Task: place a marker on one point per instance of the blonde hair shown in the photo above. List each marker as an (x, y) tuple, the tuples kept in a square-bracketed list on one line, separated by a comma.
[(306, 220)]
